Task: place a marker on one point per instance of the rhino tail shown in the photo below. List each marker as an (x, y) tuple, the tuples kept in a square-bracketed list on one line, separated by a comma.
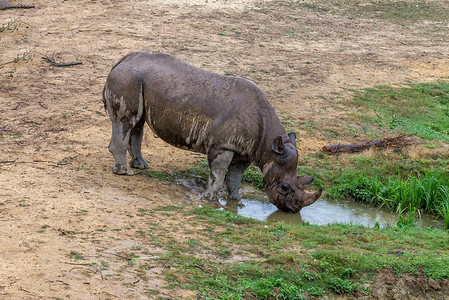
[(141, 107), (104, 98)]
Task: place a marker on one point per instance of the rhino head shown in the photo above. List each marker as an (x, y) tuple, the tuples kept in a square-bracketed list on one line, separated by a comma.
[(284, 188)]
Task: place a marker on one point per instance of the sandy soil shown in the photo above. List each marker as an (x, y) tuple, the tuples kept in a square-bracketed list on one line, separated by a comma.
[(58, 196)]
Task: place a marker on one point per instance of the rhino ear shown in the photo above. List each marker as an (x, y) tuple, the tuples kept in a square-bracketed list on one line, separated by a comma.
[(278, 146), (292, 137)]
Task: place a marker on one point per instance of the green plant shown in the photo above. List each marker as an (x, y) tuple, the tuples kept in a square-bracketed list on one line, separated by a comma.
[(9, 26), (254, 176), (444, 210), (23, 57), (77, 255), (426, 191)]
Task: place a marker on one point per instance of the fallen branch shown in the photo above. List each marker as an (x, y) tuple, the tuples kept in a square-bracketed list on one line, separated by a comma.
[(398, 141), (202, 269), (56, 64), (3, 128), (30, 293), (16, 6), (8, 161), (17, 106), (55, 130), (42, 105)]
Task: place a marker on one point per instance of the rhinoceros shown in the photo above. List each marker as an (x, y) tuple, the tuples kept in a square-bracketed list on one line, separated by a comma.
[(225, 117)]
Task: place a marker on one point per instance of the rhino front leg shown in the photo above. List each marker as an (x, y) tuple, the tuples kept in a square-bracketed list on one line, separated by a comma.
[(234, 178), (219, 162), (135, 145)]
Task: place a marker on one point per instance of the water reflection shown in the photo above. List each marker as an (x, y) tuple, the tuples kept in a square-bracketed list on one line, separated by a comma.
[(279, 215), (322, 212)]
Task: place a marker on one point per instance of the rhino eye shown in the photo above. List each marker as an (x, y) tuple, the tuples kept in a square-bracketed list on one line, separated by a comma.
[(284, 188)]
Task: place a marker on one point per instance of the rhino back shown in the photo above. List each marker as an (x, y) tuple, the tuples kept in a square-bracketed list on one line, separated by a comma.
[(197, 109)]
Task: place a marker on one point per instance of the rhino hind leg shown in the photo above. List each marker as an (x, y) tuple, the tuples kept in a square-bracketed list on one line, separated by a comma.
[(124, 102), (135, 144), (118, 147), (219, 162), (234, 178)]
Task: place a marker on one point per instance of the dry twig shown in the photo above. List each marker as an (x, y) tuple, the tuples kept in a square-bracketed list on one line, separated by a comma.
[(42, 105), (8, 161), (56, 64), (55, 130), (17, 106)]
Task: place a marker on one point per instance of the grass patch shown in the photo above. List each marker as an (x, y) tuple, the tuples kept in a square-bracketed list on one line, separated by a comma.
[(428, 191), (404, 11), (161, 175), (417, 109), (394, 11), (249, 259), (77, 255), (254, 176), (9, 26)]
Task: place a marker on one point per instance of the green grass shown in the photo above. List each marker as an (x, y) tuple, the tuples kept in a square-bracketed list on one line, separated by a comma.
[(394, 11), (444, 211), (161, 175), (416, 109), (427, 192), (249, 259), (254, 176), (405, 11)]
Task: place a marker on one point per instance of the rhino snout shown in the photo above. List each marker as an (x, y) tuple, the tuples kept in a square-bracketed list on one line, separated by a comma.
[(290, 198)]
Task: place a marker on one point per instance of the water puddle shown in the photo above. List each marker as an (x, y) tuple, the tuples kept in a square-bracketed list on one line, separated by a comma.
[(255, 204), (324, 211)]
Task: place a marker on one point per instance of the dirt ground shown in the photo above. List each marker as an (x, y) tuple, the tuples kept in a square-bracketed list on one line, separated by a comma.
[(58, 196)]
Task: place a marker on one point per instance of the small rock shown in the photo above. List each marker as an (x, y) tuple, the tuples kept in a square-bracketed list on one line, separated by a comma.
[(434, 284)]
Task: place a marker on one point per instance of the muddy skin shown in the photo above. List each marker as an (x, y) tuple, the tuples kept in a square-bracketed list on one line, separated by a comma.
[(227, 118)]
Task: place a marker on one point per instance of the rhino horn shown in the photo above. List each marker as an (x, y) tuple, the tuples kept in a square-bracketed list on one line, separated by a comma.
[(304, 181), (311, 198)]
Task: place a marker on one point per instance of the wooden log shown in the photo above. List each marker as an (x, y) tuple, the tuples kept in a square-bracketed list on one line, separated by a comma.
[(397, 141)]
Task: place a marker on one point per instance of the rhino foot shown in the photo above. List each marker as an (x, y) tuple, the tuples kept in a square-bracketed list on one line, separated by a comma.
[(139, 163), (234, 196), (210, 197), (119, 169)]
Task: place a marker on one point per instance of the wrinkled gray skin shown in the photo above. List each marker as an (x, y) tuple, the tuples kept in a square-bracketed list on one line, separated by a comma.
[(227, 118)]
